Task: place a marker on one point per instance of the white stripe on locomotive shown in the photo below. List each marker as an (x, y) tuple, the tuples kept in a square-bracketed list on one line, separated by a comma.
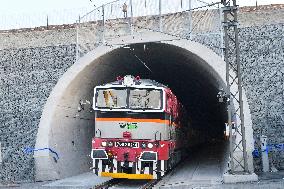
[(100, 167), (114, 163), (139, 168), (162, 167), (155, 169)]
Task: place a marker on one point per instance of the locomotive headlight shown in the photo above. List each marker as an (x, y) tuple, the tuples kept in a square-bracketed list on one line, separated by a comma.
[(128, 80), (104, 144), (150, 145)]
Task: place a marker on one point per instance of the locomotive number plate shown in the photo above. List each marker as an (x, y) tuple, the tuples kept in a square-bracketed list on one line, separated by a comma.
[(127, 144)]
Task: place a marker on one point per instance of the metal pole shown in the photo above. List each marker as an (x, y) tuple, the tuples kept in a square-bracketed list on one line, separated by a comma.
[(190, 19), (233, 78), (47, 24), (0, 153), (266, 114), (240, 88), (160, 16), (264, 153), (103, 22), (221, 32), (131, 19), (77, 38), (229, 108)]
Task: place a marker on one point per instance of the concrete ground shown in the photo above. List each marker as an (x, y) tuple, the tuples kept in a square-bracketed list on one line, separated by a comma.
[(203, 167), (271, 183), (267, 181), (82, 181)]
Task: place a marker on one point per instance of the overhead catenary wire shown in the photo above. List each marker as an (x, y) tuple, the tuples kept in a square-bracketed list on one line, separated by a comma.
[(204, 6), (207, 3), (141, 61)]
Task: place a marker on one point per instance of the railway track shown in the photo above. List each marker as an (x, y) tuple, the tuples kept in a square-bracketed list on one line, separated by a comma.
[(150, 184), (125, 183), (107, 184), (131, 184)]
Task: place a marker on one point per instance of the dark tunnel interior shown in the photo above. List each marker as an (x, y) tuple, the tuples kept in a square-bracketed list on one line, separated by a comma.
[(183, 72)]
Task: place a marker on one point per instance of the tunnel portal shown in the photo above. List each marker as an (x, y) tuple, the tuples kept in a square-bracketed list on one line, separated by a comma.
[(193, 72)]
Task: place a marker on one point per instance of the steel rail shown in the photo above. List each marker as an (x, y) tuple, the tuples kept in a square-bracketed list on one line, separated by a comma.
[(108, 184), (150, 184)]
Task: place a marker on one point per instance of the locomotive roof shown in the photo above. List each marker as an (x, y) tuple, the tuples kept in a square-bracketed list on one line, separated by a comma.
[(142, 82)]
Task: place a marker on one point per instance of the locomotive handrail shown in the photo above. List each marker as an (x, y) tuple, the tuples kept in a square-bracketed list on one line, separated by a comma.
[(156, 135), (97, 132)]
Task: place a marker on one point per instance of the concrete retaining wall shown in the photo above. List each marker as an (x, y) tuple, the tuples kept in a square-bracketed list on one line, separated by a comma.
[(262, 58), (27, 77)]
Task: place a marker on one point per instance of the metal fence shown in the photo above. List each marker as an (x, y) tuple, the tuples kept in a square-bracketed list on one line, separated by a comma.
[(190, 19)]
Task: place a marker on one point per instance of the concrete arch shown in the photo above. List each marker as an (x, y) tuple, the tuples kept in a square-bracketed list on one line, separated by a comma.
[(68, 132)]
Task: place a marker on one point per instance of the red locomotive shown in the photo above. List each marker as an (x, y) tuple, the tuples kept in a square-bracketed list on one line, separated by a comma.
[(139, 127)]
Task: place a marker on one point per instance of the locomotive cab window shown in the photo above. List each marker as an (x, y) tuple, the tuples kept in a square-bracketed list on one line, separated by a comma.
[(145, 99), (111, 98), (129, 99)]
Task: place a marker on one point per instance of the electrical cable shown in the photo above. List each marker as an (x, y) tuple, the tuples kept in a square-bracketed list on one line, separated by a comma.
[(142, 62)]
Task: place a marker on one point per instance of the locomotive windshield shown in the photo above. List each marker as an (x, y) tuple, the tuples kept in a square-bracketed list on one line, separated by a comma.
[(111, 98), (145, 99), (129, 98)]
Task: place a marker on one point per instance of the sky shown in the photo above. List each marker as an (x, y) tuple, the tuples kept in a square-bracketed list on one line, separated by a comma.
[(28, 6), (15, 13)]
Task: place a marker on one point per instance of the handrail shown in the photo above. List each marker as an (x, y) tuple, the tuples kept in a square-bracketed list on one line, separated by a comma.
[(97, 8), (97, 132), (81, 17), (156, 135)]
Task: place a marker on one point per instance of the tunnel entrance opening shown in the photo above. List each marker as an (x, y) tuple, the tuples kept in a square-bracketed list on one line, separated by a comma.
[(195, 77), (183, 72)]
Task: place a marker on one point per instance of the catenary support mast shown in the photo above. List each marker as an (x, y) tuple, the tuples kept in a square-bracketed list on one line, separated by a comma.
[(238, 152)]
